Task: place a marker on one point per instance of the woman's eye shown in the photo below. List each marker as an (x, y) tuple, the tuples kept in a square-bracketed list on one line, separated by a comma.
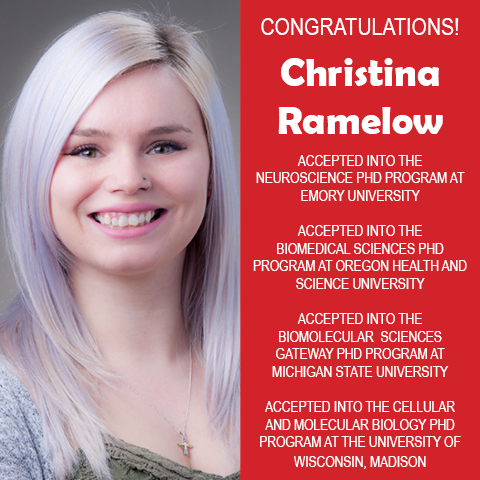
[(162, 149), (165, 148), (88, 153), (85, 152)]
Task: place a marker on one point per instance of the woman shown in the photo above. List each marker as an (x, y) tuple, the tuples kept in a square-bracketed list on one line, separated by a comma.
[(120, 202)]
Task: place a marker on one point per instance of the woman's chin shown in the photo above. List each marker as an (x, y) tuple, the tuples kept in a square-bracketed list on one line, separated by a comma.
[(129, 262), (128, 267)]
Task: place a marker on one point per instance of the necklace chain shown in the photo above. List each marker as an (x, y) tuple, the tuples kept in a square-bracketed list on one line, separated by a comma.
[(182, 433)]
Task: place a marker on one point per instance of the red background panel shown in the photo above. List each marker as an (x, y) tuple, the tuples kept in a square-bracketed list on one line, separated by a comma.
[(273, 213)]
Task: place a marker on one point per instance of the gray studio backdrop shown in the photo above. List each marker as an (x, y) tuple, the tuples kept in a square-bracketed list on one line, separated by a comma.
[(27, 27)]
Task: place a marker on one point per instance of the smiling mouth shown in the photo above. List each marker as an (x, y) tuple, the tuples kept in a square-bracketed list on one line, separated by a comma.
[(124, 220)]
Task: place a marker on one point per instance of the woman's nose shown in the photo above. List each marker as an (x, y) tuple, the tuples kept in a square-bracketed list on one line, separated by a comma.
[(127, 175)]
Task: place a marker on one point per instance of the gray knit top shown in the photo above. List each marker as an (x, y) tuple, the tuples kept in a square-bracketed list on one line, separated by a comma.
[(22, 451), (23, 454)]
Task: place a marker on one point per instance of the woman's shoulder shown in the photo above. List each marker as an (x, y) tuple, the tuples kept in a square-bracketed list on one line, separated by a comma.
[(14, 397), (21, 436)]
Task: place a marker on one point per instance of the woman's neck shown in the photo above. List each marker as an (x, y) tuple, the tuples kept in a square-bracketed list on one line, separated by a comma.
[(135, 319)]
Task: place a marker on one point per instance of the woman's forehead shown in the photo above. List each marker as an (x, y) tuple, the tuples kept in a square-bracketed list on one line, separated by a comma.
[(144, 99)]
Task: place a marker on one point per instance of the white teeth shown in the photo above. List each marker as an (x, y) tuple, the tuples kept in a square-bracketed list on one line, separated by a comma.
[(114, 219)]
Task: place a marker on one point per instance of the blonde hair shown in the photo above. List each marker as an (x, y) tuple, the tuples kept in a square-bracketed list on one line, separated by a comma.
[(49, 345)]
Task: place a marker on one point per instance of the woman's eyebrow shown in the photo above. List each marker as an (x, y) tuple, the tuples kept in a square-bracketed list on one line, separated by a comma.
[(166, 129), (89, 132)]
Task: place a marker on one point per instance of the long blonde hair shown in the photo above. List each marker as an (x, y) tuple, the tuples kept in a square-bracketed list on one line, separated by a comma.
[(44, 338)]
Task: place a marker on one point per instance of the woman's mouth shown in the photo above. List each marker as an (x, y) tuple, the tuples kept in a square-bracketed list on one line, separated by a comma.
[(131, 219)]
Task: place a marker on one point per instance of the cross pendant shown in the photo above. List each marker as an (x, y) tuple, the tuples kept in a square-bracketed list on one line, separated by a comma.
[(185, 446)]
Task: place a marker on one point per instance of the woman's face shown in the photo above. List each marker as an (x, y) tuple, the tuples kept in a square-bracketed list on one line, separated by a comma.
[(130, 186)]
